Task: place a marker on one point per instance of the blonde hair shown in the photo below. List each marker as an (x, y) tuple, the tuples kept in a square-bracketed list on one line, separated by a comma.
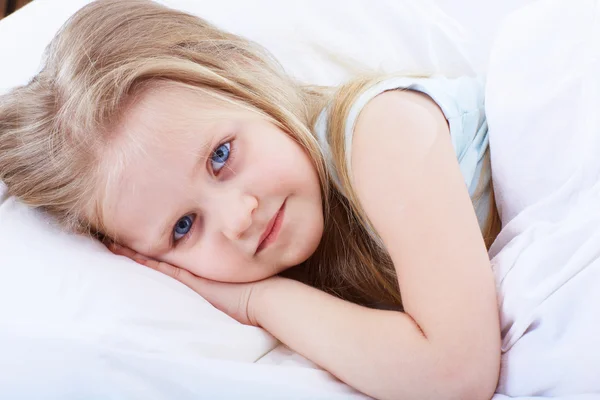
[(55, 131)]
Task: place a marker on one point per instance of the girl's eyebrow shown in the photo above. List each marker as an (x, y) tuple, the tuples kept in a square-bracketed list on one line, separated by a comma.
[(211, 136), (162, 240), (201, 155)]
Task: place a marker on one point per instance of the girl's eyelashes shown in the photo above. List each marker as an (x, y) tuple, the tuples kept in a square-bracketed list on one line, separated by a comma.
[(183, 227), (220, 157)]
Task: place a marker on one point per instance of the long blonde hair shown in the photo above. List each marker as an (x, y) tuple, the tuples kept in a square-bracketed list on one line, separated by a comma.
[(55, 130)]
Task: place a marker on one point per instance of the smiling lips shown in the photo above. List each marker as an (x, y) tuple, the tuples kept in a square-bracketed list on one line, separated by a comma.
[(272, 230)]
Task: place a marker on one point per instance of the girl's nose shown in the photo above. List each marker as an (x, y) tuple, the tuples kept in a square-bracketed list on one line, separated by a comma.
[(236, 211)]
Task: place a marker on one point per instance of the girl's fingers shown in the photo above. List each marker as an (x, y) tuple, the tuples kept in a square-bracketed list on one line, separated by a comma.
[(127, 252), (174, 272), (120, 250), (179, 274)]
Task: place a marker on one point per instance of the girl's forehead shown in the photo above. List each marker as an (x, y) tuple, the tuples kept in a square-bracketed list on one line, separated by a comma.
[(156, 131), (165, 127), (177, 110)]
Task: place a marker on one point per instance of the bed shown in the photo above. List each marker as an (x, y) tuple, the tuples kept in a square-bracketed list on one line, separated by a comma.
[(78, 322)]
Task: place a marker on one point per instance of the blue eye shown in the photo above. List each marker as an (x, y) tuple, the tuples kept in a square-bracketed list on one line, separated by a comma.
[(183, 227), (219, 157)]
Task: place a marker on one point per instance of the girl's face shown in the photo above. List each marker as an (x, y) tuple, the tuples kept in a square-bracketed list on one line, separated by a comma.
[(213, 188)]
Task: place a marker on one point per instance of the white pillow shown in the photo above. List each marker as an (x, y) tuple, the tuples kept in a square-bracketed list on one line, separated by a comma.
[(388, 35), (56, 286)]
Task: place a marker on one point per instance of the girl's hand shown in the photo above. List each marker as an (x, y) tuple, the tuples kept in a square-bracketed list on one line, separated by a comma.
[(234, 299)]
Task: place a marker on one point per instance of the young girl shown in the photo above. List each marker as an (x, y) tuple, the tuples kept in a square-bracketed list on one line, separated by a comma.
[(190, 151)]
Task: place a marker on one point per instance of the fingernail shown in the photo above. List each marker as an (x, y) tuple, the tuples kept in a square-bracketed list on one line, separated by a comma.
[(140, 259)]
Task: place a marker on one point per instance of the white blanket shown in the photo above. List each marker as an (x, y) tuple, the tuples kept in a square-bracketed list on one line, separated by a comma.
[(543, 97)]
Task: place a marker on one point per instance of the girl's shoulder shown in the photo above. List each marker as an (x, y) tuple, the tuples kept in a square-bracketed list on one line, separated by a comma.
[(461, 101)]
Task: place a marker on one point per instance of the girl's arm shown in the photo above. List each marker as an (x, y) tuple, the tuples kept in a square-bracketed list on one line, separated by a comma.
[(447, 343)]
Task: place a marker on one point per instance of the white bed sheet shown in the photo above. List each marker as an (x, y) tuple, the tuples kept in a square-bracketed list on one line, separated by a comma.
[(542, 102)]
